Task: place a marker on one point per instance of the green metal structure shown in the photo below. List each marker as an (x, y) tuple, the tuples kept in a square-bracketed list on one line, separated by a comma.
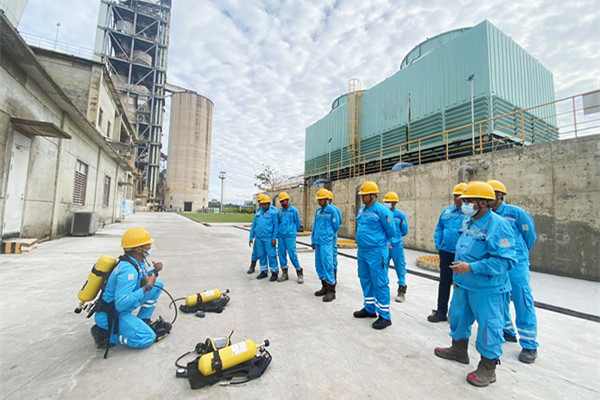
[(431, 94)]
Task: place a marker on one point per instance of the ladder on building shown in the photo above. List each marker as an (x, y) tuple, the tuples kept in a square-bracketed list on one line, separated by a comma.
[(353, 145)]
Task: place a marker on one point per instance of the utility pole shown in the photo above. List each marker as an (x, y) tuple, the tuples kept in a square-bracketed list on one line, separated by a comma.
[(222, 178), (470, 79)]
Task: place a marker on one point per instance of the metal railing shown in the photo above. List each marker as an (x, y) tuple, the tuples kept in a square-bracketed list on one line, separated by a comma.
[(573, 118), (58, 46)]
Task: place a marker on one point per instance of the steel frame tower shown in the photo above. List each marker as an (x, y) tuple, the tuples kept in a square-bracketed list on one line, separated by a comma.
[(132, 37)]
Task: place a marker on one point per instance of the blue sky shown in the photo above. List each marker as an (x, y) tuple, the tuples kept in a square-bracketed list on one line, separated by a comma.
[(272, 67)]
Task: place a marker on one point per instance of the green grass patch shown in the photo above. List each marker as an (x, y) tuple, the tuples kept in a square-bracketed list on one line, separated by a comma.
[(225, 217)]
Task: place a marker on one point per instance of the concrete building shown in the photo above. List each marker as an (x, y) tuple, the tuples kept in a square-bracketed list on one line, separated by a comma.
[(423, 112), (64, 148), (133, 37), (188, 166)]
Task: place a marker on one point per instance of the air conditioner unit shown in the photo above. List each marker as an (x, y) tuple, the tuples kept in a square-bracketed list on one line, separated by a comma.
[(84, 223)]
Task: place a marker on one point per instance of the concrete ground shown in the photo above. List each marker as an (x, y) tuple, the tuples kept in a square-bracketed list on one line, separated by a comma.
[(319, 350)]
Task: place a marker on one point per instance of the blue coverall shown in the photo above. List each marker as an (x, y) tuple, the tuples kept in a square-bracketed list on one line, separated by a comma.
[(254, 256), (335, 244), (488, 245), (323, 234), (265, 227), (289, 223), (124, 288), (445, 238), (375, 228), (524, 230), (396, 253)]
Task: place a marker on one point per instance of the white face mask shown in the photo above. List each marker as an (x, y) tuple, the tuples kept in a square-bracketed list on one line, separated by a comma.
[(147, 253), (468, 209), (388, 205)]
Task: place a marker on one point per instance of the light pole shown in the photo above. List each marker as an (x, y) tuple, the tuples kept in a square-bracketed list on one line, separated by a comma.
[(470, 79), (222, 178), (56, 38), (329, 161)]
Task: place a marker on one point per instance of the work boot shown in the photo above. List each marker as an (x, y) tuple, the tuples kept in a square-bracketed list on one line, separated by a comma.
[(273, 277), (284, 275), (484, 374), (528, 356), (457, 352), (401, 293), (252, 267), (381, 323), (330, 296), (262, 275), (363, 313), (300, 274), (335, 274), (510, 337), (437, 316), (101, 337), (323, 290)]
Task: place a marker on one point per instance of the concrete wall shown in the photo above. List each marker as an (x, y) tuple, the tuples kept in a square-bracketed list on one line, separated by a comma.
[(557, 183)]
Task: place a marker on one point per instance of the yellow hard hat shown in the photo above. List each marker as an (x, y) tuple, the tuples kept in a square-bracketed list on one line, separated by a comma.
[(322, 194), (369, 187), (135, 237), (391, 197), (282, 196), (259, 197), (330, 194), (458, 189), (264, 199), (497, 186), (478, 190)]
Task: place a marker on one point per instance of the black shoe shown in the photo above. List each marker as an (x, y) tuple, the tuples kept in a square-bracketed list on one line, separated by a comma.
[(363, 313), (381, 323), (437, 316), (510, 338), (251, 269), (528, 356), (262, 275), (273, 277), (101, 337)]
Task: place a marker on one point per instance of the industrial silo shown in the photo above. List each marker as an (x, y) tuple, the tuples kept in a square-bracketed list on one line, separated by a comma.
[(188, 165)]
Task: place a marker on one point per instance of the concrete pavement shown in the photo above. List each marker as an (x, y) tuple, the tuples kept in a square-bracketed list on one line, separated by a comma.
[(319, 350)]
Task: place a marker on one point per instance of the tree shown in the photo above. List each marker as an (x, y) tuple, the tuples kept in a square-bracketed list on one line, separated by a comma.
[(269, 179)]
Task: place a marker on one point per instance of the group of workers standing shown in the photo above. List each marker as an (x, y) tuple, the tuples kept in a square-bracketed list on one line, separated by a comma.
[(483, 246)]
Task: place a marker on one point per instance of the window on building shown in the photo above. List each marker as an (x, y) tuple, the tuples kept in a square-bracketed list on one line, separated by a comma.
[(100, 117), (187, 206), (106, 196), (108, 129), (81, 171)]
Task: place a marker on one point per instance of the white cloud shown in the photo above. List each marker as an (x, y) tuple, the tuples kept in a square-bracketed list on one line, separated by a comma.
[(272, 68)]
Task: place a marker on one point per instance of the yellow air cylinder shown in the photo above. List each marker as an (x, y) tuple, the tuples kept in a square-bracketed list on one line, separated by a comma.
[(90, 289), (204, 297), (230, 356)]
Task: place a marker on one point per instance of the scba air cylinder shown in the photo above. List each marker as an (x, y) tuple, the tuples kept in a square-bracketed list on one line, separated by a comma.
[(204, 297), (229, 356)]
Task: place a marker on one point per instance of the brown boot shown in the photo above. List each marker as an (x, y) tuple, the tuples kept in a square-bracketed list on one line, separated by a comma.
[(300, 274), (252, 267), (484, 374), (401, 293), (457, 352), (284, 275), (330, 296), (323, 290)]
